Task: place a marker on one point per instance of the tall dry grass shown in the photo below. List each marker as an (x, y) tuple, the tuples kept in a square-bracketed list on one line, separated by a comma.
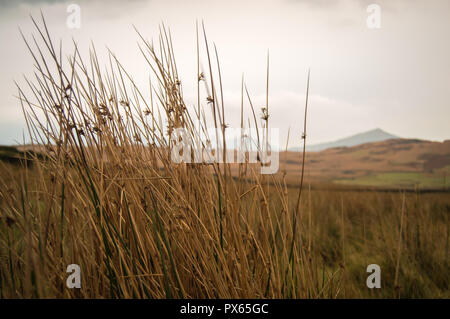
[(105, 194)]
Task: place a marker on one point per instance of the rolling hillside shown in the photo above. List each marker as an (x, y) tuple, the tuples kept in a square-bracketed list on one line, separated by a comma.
[(394, 162)]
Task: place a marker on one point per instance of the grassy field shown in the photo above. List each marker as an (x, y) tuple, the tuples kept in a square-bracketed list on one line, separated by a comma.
[(399, 179), (104, 193), (186, 251)]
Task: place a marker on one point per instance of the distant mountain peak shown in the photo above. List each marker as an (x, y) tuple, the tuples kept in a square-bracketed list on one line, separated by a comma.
[(374, 135), (377, 131)]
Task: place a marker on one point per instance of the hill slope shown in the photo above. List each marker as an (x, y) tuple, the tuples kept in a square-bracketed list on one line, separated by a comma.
[(394, 162), (375, 135)]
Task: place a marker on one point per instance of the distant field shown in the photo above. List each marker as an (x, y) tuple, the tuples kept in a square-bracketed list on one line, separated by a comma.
[(402, 179), (399, 163)]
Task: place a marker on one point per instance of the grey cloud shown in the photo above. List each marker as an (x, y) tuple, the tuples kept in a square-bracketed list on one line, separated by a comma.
[(15, 3), (331, 4), (6, 4), (317, 3)]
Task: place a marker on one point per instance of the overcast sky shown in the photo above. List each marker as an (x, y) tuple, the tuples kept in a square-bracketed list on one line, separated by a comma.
[(396, 77)]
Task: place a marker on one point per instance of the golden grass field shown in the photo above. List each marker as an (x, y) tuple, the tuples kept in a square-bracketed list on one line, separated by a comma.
[(102, 193)]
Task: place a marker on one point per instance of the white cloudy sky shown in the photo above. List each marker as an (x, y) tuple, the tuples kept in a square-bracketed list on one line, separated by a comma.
[(396, 77)]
